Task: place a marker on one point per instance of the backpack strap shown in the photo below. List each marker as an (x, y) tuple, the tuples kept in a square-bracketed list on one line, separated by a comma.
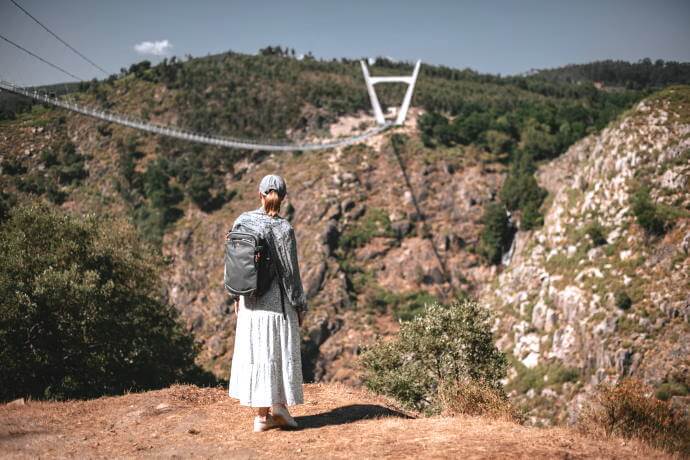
[(282, 298), (279, 272)]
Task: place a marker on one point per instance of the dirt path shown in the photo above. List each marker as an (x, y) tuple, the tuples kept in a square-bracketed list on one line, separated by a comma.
[(336, 422)]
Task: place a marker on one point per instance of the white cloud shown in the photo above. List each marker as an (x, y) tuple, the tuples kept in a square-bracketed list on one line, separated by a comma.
[(157, 48)]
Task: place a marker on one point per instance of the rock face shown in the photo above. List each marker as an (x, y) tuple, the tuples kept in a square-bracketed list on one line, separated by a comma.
[(556, 301)]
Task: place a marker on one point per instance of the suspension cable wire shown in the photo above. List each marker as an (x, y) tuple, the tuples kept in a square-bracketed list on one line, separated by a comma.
[(60, 39), (191, 136), (175, 132), (55, 66)]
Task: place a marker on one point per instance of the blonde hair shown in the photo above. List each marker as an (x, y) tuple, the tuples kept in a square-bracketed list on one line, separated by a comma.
[(272, 203)]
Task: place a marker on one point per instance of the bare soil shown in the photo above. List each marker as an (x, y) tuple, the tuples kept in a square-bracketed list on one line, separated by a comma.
[(335, 422)]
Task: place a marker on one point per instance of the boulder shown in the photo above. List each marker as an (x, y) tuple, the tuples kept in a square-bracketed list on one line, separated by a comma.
[(564, 343), (401, 228), (539, 314), (674, 180), (314, 279), (551, 320), (358, 211), (571, 300), (531, 361)]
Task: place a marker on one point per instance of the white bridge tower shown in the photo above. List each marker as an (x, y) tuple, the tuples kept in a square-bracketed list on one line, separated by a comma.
[(371, 81)]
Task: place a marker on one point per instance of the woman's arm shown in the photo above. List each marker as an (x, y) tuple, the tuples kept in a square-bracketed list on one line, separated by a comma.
[(286, 249)]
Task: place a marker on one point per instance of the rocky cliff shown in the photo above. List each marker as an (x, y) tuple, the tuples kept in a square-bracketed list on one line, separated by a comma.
[(591, 297)]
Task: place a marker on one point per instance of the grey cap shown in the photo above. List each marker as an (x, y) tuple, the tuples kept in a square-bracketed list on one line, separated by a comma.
[(273, 182)]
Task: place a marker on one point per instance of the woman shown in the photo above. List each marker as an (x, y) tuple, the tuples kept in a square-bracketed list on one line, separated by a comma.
[(266, 370)]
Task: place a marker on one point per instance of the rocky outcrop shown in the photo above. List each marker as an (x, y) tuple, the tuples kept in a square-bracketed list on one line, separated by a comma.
[(557, 301)]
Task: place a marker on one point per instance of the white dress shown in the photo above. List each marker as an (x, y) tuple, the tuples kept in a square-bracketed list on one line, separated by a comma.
[(266, 365)]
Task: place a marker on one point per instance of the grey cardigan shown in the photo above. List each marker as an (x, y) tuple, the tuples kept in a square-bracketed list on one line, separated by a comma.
[(281, 237)]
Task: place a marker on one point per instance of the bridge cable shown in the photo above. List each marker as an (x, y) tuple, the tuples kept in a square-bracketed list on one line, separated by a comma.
[(178, 133), (55, 66), (60, 39)]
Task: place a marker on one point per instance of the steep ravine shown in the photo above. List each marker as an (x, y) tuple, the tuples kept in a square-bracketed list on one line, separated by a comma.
[(329, 193)]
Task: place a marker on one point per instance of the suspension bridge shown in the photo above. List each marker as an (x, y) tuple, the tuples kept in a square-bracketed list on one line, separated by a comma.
[(217, 140), (220, 141), (223, 141), (179, 133)]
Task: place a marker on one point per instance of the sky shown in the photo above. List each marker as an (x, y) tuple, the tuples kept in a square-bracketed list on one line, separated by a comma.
[(498, 37)]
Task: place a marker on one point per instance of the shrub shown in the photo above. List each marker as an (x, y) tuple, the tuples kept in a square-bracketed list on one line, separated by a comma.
[(520, 191), (447, 347), (542, 376), (7, 202), (622, 300), (81, 313), (200, 188), (646, 213), (70, 164), (497, 234), (596, 233), (403, 306), (434, 126), (531, 217), (626, 410), (498, 141), (375, 222), (667, 390), (12, 166)]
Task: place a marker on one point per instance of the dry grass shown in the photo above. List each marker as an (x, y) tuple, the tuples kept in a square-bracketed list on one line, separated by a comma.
[(474, 398), (193, 395), (336, 422), (629, 410)]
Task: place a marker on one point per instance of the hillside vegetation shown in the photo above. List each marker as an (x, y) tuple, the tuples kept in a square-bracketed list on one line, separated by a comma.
[(644, 74)]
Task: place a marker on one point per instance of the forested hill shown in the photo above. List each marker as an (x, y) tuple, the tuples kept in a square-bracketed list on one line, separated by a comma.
[(274, 95), (267, 94), (643, 74)]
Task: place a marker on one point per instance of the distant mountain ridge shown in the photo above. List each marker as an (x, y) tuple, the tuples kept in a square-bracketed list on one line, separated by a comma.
[(640, 75)]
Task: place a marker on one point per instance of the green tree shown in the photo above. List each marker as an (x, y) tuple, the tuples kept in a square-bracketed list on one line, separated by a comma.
[(646, 212), (81, 313), (537, 140), (520, 191), (498, 141), (468, 129), (497, 233)]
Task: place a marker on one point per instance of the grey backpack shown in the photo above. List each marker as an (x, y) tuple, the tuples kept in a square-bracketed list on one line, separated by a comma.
[(250, 265)]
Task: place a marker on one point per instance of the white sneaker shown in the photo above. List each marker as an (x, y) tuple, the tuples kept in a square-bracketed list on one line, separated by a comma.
[(261, 424), (282, 417)]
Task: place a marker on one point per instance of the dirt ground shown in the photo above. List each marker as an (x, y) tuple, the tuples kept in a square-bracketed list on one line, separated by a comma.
[(335, 422)]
